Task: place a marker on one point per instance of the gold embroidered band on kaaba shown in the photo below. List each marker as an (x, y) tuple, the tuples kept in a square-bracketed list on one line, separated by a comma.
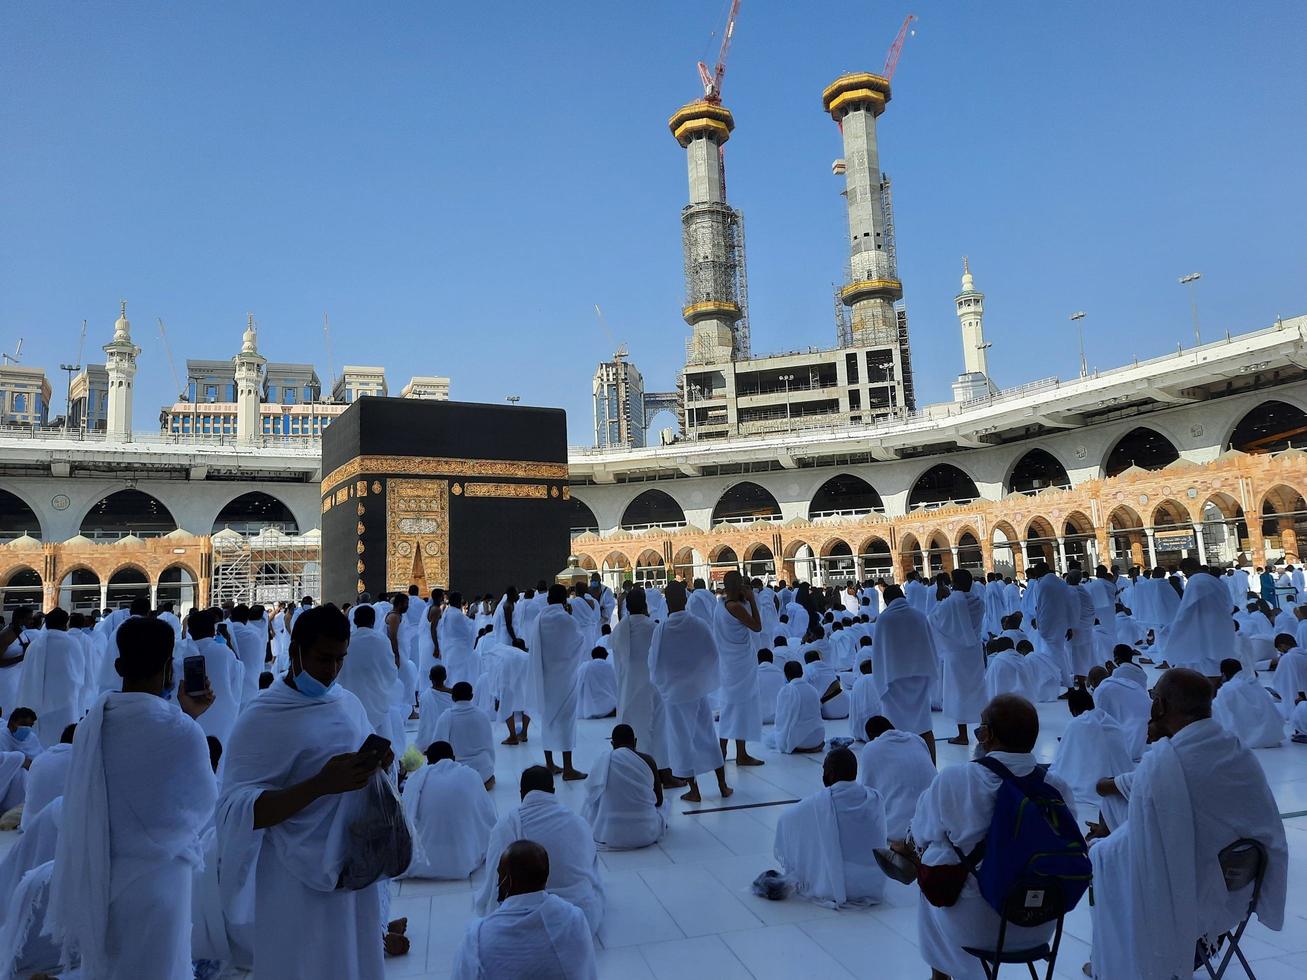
[(443, 466)]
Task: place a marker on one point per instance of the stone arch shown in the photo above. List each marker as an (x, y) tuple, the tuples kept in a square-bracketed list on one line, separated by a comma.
[(1169, 513), (616, 569), (941, 485), (833, 546), (1041, 541), (940, 552), (127, 511), (17, 516), (845, 495), (800, 561), (1003, 540), (652, 508), (1269, 427), (1225, 531), (836, 562), (588, 563), (1126, 536), (1077, 533), (970, 556), (582, 518), (1143, 447), (179, 584), (248, 513), (1036, 470), (23, 586), (1284, 521), (79, 589), (127, 582), (686, 563), (649, 569), (744, 503), (759, 562), (877, 557)]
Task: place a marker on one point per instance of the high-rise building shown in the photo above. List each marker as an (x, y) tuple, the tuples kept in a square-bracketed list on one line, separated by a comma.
[(24, 396), (428, 387), (619, 415)]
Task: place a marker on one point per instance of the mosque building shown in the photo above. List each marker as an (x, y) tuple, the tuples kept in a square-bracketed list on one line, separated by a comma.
[(817, 465)]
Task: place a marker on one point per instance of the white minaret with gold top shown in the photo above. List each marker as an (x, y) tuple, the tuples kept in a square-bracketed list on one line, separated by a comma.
[(120, 365), (974, 381), (249, 383)]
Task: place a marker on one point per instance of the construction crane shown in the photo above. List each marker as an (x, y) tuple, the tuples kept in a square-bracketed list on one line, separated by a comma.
[(712, 80), (81, 344), (17, 356), (620, 350), (177, 382), (895, 49), (326, 340)]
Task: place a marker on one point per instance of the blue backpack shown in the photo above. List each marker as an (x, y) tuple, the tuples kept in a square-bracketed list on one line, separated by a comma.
[(1033, 864)]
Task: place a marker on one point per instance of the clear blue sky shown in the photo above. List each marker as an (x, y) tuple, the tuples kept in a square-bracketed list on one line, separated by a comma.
[(459, 183)]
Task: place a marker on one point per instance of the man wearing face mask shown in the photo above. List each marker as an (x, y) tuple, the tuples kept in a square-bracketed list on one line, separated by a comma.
[(139, 790), (289, 795), (533, 932), (19, 734)]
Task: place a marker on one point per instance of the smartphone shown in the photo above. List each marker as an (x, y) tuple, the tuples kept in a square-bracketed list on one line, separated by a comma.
[(375, 746), (194, 677)]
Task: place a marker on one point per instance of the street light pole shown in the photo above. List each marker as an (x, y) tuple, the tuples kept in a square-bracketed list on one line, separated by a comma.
[(68, 399), (1189, 281), (787, 378), (1077, 317)]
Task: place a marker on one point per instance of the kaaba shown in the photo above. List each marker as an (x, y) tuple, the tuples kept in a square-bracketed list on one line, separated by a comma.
[(442, 495)]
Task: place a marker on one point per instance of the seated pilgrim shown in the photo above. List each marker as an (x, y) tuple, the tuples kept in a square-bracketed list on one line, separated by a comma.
[(573, 860), (1043, 672), (451, 815), (48, 775), (864, 699), (799, 727), (533, 933), (897, 765), (1298, 718), (1158, 882), (952, 816), (1123, 694), (624, 797), (467, 728), (13, 780), (35, 846), (1244, 708), (821, 675), (770, 680), (432, 703), (1007, 671), (598, 686), (19, 734), (1093, 747), (1290, 675), (826, 841), (26, 949)]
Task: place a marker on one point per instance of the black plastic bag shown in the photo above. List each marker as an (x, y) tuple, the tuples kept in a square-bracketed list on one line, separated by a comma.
[(380, 842)]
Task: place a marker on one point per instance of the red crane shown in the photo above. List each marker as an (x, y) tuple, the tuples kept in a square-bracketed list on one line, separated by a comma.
[(712, 80), (895, 49)]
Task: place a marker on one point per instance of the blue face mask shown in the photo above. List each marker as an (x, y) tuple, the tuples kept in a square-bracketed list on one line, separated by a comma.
[(310, 686), (23, 733)]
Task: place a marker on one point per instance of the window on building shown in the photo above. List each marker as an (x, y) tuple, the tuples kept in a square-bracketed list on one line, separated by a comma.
[(211, 393), (272, 393), (289, 396), (308, 393), (20, 401)]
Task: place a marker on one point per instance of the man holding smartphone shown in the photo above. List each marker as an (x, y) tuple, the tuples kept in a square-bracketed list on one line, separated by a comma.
[(298, 757)]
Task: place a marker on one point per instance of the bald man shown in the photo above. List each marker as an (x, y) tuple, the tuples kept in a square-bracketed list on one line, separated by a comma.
[(1158, 884), (532, 932)]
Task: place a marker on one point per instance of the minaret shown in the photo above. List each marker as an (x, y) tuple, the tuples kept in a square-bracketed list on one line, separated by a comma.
[(249, 375), (120, 364), (974, 381), (854, 101), (711, 235)]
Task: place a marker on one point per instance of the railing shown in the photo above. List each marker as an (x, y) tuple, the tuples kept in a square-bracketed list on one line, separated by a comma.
[(292, 445), (664, 525), (748, 519), (851, 512)]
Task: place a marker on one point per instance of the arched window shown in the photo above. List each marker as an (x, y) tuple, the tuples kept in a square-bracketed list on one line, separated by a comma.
[(16, 518), (1037, 470), (23, 588), (582, 517), (127, 512), (746, 502), (251, 512), (653, 508), (1269, 428), (941, 485), (845, 495), (1142, 447), (126, 585)]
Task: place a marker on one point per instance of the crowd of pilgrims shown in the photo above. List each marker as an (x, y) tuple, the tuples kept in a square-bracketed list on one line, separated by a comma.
[(171, 830)]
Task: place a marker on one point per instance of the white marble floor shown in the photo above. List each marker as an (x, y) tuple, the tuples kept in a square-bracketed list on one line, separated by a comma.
[(683, 908)]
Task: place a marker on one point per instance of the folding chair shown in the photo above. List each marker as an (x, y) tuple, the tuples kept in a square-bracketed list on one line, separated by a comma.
[(1016, 908), (1243, 863)]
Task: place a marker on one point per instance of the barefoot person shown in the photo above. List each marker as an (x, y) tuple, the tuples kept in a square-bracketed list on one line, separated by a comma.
[(683, 667), (557, 645), (735, 623)]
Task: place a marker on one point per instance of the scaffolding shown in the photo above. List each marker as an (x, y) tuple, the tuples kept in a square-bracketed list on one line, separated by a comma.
[(267, 567), (712, 241)]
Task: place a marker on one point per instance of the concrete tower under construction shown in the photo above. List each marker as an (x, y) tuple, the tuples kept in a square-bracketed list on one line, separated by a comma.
[(712, 239), (872, 289)]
